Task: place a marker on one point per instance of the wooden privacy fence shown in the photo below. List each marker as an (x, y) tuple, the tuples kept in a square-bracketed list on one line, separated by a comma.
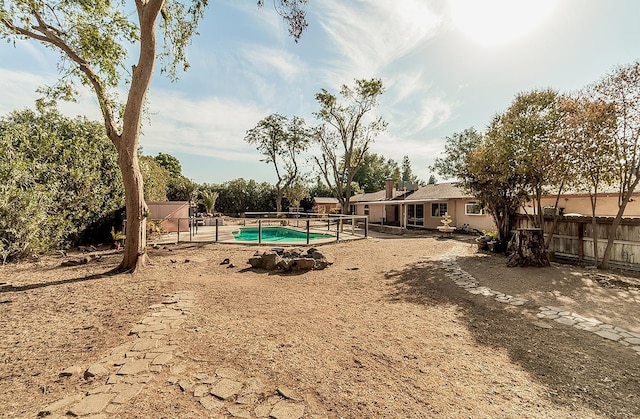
[(574, 237)]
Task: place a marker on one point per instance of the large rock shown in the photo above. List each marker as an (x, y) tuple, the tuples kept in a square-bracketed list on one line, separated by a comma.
[(303, 264), (270, 260), (256, 262), (289, 260)]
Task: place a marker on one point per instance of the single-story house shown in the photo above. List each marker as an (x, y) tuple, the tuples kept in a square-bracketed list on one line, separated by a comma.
[(422, 207), (325, 205)]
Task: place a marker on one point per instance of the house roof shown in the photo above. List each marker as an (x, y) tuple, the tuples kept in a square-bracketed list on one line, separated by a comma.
[(603, 190), (438, 191), (325, 200), (374, 196)]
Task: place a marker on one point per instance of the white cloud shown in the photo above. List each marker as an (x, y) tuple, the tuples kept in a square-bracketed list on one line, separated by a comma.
[(212, 126), (286, 65), (18, 89), (369, 35), (19, 92)]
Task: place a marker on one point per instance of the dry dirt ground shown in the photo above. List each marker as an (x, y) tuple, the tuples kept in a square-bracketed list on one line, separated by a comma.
[(383, 332)]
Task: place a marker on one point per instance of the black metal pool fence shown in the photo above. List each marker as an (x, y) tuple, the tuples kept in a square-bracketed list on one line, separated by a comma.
[(219, 229)]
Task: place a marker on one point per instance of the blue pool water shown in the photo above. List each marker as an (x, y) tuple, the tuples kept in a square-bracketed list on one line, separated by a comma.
[(276, 234)]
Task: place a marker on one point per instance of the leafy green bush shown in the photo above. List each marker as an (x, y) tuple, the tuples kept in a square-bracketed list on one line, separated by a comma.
[(59, 180)]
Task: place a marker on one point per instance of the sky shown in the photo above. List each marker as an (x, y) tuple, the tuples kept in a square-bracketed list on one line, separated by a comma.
[(446, 65)]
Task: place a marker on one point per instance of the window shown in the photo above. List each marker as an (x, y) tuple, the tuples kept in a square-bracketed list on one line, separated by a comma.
[(473, 208), (353, 209), (415, 214), (366, 209), (439, 210)]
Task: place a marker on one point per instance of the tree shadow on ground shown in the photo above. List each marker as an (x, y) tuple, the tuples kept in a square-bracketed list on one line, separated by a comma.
[(577, 367), (18, 288)]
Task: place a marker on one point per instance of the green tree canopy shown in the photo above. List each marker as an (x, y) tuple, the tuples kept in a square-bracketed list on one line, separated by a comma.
[(170, 163), (156, 179), (621, 89), (484, 169), (374, 171), (239, 196)]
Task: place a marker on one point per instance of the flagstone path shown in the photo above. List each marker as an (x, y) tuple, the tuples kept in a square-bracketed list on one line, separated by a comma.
[(607, 331), (122, 374)]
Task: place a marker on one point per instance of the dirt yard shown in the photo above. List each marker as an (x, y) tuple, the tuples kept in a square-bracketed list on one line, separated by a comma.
[(383, 332)]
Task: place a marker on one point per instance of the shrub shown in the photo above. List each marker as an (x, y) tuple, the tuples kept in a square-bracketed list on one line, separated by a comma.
[(59, 178)]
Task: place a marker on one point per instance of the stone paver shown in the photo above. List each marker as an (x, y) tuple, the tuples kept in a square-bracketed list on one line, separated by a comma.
[(226, 388), (287, 410), (162, 359), (121, 375), (607, 331), (466, 281), (91, 404), (589, 324), (135, 366)]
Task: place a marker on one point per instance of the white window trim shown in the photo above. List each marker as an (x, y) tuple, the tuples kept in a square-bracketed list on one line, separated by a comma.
[(472, 213)]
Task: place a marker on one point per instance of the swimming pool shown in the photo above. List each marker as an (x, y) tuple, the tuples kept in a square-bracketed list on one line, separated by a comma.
[(276, 234)]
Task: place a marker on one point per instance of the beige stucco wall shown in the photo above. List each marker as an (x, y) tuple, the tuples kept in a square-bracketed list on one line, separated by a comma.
[(606, 205), (456, 211), (479, 222), (169, 212), (376, 212)]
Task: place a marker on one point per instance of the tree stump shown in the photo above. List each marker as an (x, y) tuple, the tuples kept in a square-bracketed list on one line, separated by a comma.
[(528, 249)]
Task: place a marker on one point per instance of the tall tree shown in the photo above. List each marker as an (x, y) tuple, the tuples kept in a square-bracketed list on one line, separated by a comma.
[(280, 141), (621, 88), (526, 130), (93, 39), (585, 138), (346, 133), (484, 168), (407, 172)]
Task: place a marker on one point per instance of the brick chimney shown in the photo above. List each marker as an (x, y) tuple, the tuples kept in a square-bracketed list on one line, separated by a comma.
[(388, 189)]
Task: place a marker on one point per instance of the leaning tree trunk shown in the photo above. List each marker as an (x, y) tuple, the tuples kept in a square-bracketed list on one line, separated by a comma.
[(135, 256), (528, 249)]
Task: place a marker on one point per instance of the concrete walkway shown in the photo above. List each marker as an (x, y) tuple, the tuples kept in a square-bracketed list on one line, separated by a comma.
[(607, 331)]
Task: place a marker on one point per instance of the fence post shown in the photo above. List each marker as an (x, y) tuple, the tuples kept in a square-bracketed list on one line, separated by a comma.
[(366, 227), (191, 228), (178, 240), (338, 229), (216, 229), (581, 241), (259, 231), (307, 231)]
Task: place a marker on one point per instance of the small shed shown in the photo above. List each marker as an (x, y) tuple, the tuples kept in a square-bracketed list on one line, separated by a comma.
[(170, 213), (324, 205)]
